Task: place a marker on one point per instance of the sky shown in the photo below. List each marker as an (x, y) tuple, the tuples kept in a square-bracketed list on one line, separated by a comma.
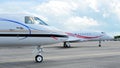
[(71, 15)]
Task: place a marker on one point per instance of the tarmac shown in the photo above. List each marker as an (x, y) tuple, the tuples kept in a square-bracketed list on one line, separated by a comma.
[(80, 55)]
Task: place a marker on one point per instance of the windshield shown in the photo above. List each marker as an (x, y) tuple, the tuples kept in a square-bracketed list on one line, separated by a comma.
[(34, 20), (39, 21)]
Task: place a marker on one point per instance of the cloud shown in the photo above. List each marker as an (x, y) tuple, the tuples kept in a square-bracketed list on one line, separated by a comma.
[(115, 7), (80, 23), (105, 14), (14, 6), (62, 10), (93, 4), (56, 8), (107, 8), (66, 7)]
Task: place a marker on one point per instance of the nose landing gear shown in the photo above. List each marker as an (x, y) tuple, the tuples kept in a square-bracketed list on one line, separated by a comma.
[(38, 57)]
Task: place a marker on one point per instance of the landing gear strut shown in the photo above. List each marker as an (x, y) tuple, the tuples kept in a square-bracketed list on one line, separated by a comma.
[(99, 43), (38, 57), (66, 45)]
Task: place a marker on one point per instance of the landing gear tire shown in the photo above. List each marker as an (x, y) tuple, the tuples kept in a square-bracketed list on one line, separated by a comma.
[(39, 58), (99, 44), (66, 45)]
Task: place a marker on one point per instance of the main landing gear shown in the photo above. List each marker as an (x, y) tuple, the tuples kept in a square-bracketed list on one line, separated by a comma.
[(99, 43), (66, 45), (38, 57)]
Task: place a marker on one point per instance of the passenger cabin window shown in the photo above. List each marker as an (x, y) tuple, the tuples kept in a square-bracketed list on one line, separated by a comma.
[(34, 20)]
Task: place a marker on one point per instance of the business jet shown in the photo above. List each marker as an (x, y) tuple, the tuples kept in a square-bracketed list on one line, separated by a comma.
[(86, 36), (28, 30)]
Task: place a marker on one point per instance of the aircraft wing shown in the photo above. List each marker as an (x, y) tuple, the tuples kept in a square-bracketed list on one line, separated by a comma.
[(74, 39)]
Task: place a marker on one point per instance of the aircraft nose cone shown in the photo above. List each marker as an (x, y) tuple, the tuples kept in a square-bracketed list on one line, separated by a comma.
[(111, 38)]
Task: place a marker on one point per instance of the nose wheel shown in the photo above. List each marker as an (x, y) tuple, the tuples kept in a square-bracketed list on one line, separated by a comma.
[(38, 58)]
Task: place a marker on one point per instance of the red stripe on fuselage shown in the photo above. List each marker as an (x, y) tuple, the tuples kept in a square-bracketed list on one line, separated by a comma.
[(54, 37), (80, 36)]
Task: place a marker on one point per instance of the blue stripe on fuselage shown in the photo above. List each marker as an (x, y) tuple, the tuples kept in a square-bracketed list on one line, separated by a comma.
[(12, 21)]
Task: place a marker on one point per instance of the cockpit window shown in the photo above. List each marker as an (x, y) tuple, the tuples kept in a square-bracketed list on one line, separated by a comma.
[(29, 20), (39, 21), (34, 20)]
